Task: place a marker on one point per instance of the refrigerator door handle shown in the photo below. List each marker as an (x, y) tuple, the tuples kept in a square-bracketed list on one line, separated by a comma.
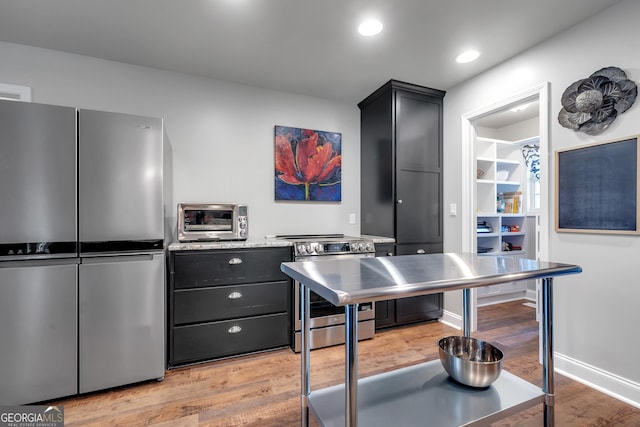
[(120, 258), (39, 262)]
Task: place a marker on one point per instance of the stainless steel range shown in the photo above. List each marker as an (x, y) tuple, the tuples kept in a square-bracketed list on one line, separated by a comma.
[(327, 320)]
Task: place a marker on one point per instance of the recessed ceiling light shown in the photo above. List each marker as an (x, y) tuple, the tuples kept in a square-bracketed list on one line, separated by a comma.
[(468, 56), (370, 28)]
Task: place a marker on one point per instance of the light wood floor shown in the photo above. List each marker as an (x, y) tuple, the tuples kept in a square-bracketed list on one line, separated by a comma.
[(263, 389)]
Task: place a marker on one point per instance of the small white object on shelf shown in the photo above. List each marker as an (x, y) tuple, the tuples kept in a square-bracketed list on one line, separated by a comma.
[(502, 175)]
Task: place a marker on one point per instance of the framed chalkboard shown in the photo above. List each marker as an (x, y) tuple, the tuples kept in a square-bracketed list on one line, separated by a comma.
[(597, 188)]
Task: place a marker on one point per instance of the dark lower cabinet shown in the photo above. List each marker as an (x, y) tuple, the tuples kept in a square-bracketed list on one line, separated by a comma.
[(404, 311), (227, 302), (229, 337), (418, 309)]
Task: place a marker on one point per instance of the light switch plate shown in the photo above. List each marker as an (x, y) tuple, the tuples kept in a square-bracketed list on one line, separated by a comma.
[(352, 218), (453, 209)]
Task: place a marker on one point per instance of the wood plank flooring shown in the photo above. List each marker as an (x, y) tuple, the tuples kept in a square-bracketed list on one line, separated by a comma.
[(263, 389)]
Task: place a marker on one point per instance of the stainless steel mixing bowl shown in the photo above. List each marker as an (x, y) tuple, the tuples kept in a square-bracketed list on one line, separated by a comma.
[(470, 361)]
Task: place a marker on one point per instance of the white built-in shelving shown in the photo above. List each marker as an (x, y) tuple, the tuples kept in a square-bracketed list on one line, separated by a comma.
[(500, 169)]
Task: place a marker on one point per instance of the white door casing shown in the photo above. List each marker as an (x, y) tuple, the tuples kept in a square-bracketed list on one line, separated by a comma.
[(541, 93)]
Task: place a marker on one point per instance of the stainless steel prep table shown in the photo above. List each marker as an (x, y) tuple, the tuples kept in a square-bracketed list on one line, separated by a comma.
[(420, 392)]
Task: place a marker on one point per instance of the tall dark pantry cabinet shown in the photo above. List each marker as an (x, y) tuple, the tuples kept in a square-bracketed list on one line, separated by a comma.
[(401, 183)]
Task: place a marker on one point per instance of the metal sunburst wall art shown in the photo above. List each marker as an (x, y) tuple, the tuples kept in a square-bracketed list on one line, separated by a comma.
[(590, 105)]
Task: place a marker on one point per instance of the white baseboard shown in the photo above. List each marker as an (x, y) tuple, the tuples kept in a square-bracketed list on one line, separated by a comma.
[(531, 295), (603, 381), (500, 298), (451, 319)]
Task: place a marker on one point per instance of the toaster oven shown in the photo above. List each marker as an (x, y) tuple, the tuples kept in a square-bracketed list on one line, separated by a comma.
[(201, 222)]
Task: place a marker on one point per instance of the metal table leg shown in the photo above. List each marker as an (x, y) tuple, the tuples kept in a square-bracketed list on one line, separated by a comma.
[(305, 388), (351, 366), (466, 312), (548, 386)]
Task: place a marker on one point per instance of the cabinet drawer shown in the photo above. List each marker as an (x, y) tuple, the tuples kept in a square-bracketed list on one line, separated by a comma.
[(227, 302), (220, 339), (419, 248), (415, 309), (217, 268)]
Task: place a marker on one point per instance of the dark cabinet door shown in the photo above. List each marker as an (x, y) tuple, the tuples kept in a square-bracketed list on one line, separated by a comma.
[(419, 212), (418, 132), (385, 314), (418, 168), (416, 309), (377, 182)]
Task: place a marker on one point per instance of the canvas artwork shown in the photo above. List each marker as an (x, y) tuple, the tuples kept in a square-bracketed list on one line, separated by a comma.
[(308, 164)]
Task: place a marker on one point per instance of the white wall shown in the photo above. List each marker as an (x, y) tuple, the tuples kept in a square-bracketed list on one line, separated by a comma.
[(221, 133), (596, 312)]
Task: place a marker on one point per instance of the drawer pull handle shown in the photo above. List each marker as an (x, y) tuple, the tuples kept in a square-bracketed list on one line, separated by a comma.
[(234, 329), (420, 251), (235, 295), (235, 261)]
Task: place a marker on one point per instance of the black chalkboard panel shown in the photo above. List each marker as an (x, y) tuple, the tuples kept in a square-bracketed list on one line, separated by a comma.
[(597, 188)]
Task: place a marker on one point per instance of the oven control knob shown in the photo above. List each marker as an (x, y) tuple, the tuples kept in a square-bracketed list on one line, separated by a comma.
[(370, 247), (311, 249), (359, 247), (302, 249)]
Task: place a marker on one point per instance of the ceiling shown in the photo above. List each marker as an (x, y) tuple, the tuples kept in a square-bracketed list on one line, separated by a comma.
[(509, 116), (308, 47)]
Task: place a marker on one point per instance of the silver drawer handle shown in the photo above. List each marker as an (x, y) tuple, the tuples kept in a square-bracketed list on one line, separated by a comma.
[(235, 295), (234, 329), (235, 261), (420, 251)]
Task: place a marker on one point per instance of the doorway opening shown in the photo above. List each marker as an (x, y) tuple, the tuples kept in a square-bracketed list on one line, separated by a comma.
[(508, 210)]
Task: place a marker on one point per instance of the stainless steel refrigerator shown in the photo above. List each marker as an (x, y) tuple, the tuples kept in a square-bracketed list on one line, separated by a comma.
[(121, 274), (82, 283), (38, 253)]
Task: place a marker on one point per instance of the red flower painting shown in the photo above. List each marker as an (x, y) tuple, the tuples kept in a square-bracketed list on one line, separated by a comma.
[(307, 164)]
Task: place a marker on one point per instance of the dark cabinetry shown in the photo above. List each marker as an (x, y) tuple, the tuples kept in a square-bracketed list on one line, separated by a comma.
[(401, 183), (401, 166), (405, 310), (227, 302)]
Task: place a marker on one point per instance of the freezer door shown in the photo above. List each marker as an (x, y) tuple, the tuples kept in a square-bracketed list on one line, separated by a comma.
[(122, 320), (38, 333), (37, 175), (120, 185)]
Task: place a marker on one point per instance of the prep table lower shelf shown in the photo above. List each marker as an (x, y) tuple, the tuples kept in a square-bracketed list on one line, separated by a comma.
[(421, 394), (410, 396)]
